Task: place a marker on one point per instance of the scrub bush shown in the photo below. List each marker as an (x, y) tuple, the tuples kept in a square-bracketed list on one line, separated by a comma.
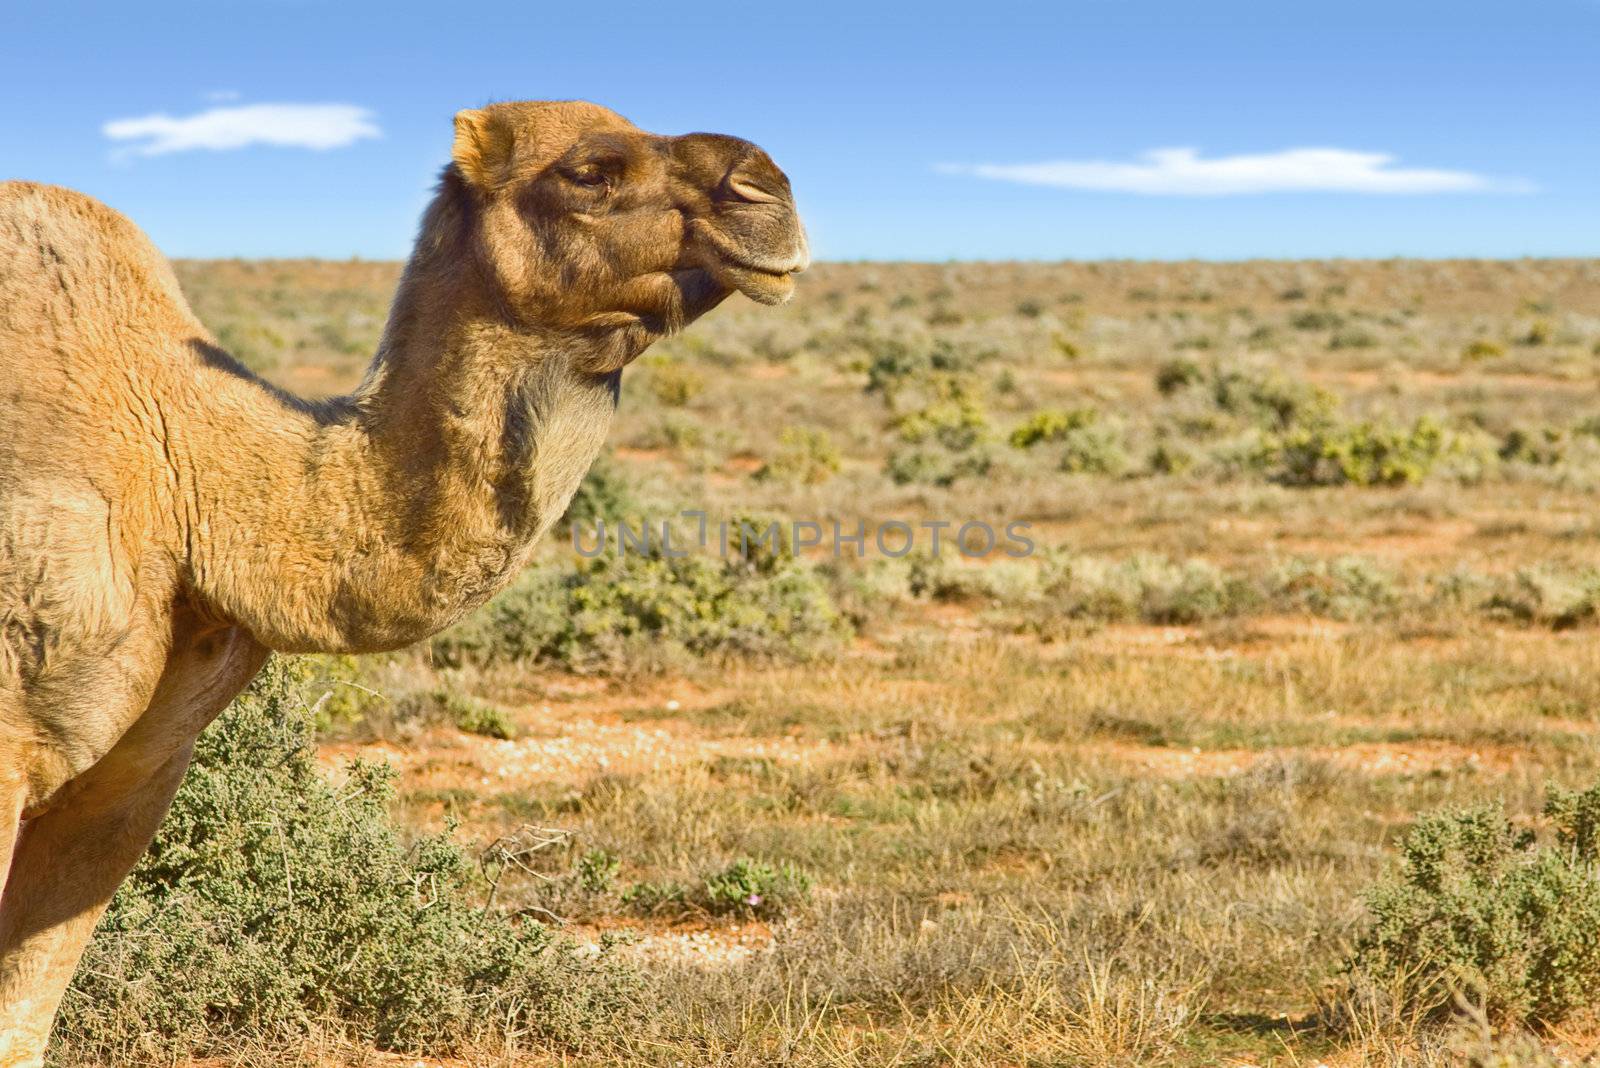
[(275, 901)]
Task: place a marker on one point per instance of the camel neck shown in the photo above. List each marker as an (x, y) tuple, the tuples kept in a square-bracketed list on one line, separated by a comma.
[(420, 495), (482, 429)]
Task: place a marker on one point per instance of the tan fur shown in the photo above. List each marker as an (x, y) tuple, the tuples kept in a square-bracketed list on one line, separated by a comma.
[(166, 517)]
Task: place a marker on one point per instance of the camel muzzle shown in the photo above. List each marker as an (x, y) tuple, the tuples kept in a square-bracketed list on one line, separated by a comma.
[(749, 235)]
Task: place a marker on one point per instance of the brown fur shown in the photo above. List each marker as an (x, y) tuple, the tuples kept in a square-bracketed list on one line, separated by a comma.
[(166, 518)]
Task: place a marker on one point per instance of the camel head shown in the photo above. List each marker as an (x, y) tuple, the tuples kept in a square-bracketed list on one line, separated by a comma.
[(584, 222)]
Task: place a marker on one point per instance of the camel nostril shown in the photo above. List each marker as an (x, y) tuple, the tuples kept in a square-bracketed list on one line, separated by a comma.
[(749, 191), (753, 188)]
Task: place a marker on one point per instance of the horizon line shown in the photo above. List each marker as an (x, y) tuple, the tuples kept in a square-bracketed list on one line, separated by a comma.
[(991, 260)]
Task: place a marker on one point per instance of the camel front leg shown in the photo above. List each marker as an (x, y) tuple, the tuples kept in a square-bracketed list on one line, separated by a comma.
[(11, 800), (67, 864), (69, 859)]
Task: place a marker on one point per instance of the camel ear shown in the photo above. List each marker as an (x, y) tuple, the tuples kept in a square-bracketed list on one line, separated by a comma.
[(482, 148)]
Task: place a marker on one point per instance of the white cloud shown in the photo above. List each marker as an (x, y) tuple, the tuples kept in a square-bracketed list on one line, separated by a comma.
[(222, 96), (1181, 172), (317, 126)]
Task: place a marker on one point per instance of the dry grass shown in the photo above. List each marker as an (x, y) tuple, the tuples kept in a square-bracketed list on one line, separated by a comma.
[(1040, 840)]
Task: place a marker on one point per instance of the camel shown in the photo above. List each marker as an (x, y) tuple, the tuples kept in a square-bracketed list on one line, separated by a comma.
[(167, 518)]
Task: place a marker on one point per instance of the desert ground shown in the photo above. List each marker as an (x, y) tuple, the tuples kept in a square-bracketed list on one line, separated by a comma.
[(1314, 555)]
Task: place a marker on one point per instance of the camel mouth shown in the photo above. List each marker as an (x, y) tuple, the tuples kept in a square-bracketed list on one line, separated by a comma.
[(766, 279), (758, 283)]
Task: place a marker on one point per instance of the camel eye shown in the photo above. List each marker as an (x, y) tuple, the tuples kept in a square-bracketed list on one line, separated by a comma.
[(589, 175)]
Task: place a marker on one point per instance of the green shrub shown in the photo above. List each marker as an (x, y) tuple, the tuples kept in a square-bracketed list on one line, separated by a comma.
[(651, 899), (895, 366), (677, 432), (750, 887), (1051, 425), (273, 901), (941, 578), (945, 438), (1271, 400), (475, 717), (955, 421), (1363, 454), (1317, 319), (254, 344), (744, 888), (350, 338), (604, 495), (673, 382), (1093, 450), (345, 698), (805, 456), (1353, 339), (1540, 332), (1066, 347), (1262, 337), (443, 705), (1479, 907), (1346, 587), (1196, 591), (1087, 445), (1543, 447), (524, 624), (1548, 596), (936, 467), (1483, 349), (638, 610), (1176, 375), (1149, 588), (597, 870), (890, 363), (1170, 458)]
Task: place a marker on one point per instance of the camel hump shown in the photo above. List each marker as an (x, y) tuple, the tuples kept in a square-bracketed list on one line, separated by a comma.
[(67, 261)]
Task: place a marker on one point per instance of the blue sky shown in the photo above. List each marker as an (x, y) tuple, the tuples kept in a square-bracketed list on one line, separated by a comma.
[(917, 131)]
